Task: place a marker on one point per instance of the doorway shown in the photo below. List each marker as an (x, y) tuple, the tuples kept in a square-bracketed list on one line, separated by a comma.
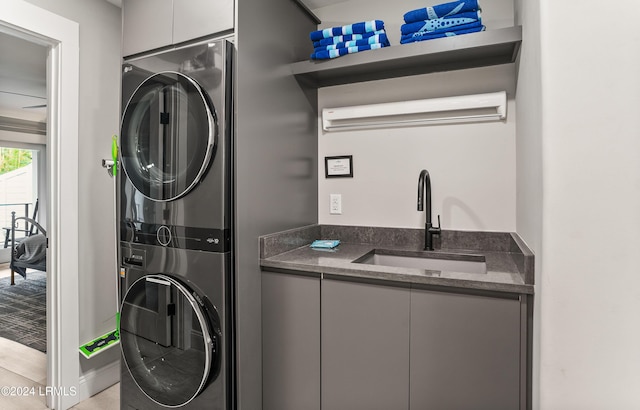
[(60, 38), (22, 307)]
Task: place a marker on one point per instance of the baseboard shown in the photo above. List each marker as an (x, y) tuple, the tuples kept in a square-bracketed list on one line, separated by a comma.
[(94, 381)]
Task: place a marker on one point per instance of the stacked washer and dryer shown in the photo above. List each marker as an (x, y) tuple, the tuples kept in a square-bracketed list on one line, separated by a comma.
[(176, 229)]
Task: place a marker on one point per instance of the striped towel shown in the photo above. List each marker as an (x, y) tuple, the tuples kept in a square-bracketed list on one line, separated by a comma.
[(347, 37), (411, 38), (441, 10), (355, 28), (381, 38), (327, 54), (441, 23)]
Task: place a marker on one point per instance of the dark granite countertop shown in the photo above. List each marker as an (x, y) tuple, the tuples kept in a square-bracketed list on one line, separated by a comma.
[(509, 263)]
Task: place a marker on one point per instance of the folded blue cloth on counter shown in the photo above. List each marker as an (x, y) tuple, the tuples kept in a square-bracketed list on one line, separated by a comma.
[(441, 23), (411, 38), (355, 28), (441, 10), (327, 54), (381, 38), (347, 37), (325, 244)]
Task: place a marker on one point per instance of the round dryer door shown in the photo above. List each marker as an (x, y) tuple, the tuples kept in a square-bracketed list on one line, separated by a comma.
[(169, 342), (168, 136)]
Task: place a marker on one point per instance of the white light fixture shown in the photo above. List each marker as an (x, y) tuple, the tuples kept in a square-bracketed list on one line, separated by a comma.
[(447, 110)]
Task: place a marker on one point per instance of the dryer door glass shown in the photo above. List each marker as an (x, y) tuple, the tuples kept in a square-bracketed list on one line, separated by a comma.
[(168, 136), (168, 342)]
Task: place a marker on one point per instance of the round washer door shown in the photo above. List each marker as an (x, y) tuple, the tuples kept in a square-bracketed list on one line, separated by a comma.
[(169, 344), (168, 136)]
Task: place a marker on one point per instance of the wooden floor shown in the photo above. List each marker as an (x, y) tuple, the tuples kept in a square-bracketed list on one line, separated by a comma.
[(24, 367)]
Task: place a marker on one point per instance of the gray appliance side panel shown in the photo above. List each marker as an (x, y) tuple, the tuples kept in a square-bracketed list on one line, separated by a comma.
[(276, 159)]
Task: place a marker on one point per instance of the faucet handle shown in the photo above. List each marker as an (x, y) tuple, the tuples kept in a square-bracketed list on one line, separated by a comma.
[(436, 229)]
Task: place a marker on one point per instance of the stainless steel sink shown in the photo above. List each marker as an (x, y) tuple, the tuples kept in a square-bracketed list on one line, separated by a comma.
[(426, 260)]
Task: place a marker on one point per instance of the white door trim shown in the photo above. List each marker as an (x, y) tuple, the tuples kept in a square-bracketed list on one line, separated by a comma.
[(61, 35)]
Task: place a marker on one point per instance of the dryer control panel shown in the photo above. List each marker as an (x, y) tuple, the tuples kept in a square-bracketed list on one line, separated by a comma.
[(172, 236)]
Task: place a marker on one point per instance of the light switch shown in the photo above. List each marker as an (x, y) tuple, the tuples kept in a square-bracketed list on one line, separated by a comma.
[(335, 204)]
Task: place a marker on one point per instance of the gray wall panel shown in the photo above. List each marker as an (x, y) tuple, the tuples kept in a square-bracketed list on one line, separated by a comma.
[(276, 159)]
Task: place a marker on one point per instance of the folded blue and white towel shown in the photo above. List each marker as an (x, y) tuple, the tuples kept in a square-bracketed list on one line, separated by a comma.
[(475, 24), (441, 23), (441, 10), (347, 37), (355, 28), (327, 54), (325, 244), (381, 38), (411, 38)]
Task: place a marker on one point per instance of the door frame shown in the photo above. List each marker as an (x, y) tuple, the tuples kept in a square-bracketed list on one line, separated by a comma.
[(61, 36)]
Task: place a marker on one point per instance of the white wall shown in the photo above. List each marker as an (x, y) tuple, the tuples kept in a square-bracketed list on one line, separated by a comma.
[(529, 159), (590, 281), (472, 166), (100, 28)]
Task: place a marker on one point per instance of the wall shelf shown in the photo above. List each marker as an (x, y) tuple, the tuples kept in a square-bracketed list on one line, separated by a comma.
[(486, 48)]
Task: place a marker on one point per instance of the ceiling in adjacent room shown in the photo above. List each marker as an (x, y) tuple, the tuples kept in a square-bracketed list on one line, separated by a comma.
[(23, 79)]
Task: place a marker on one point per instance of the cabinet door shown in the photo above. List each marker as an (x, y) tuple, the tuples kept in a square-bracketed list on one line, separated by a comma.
[(365, 346), (290, 342), (465, 351), (197, 18), (146, 24)]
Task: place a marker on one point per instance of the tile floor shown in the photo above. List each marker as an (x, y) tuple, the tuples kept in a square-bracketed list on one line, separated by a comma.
[(22, 366)]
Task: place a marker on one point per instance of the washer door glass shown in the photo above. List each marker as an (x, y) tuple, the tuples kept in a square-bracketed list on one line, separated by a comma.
[(166, 340), (168, 136)]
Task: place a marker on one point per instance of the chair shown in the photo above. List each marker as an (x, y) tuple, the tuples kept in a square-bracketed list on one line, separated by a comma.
[(28, 230), (30, 252)]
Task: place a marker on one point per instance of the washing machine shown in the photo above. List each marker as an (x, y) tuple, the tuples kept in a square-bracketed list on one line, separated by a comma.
[(175, 194)]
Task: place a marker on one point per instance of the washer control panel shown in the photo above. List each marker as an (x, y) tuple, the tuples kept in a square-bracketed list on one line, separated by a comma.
[(172, 236)]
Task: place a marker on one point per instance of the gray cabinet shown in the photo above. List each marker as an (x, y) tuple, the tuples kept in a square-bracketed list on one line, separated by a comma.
[(365, 346), (198, 18), (290, 342), (465, 351), (146, 24), (334, 344), (151, 24)]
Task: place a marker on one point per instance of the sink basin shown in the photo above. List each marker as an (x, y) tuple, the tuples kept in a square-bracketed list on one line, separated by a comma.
[(424, 260)]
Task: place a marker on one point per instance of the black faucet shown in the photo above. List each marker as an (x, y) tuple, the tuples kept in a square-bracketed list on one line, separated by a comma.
[(429, 230)]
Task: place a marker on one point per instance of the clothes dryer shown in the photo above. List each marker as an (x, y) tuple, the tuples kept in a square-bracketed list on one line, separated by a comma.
[(175, 196), (175, 146)]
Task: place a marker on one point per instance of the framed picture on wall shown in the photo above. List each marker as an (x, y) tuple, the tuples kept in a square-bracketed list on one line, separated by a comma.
[(338, 167)]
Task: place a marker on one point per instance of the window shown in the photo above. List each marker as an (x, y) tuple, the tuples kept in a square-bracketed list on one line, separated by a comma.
[(18, 185)]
